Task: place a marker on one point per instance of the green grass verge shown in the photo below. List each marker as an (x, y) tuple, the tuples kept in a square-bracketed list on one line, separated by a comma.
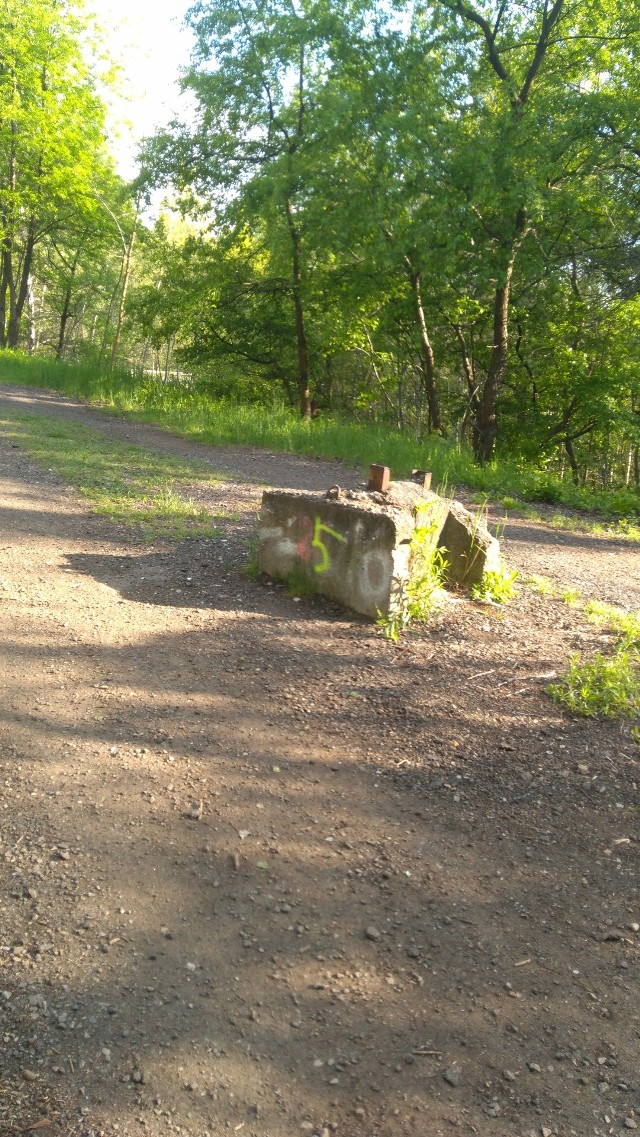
[(193, 414), (603, 686), (606, 686), (573, 523), (131, 486)]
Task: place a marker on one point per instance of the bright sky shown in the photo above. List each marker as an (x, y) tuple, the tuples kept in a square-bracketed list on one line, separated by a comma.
[(145, 37)]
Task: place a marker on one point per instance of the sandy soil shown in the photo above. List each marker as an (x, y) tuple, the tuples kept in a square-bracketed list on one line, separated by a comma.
[(262, 872)]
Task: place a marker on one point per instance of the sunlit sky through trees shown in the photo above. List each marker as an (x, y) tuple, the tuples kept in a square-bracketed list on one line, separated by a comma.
[(146, 39)]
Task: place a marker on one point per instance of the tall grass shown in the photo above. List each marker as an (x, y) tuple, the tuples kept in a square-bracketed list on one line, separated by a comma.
[(190, 413)]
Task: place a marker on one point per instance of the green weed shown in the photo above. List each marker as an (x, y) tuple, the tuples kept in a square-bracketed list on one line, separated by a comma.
[(251, 568), (541, 585), (395, 621), (625, 624), (571, 596), (133, 487), (496, 586), (608, 686), (424, 593), (299, 585), (604, 686), (509, 502)]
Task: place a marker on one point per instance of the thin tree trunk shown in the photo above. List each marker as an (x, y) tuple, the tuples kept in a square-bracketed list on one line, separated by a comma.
[(7, 282), (573, 462), (66, 307), (485, 427), (7, 288), (20, 300), (627, 477), (32, 334), (125, 276), (107, 323), (304, 392), (426, 351), (64, 316)]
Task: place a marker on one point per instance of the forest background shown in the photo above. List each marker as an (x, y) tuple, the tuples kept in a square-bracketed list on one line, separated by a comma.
[(415, 221)]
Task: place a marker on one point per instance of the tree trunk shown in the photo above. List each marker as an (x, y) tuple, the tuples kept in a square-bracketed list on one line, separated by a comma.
[(64, 316), (485, 427), (66, 307), (573, 462), (32, 334), (304, 392), (427, 357), (17, 307), (125, 276), (7, 288)]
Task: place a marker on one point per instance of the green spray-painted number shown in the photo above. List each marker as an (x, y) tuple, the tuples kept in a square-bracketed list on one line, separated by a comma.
[(318, 543)]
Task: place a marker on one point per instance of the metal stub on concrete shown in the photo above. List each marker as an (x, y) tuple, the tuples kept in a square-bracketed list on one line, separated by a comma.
[(421, 478), (379, 478)]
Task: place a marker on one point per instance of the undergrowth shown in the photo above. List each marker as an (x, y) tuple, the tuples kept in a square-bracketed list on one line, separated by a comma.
[(133, 487), (607, 686), (497, 586), (603, 686), (189, 412), (424, 593)]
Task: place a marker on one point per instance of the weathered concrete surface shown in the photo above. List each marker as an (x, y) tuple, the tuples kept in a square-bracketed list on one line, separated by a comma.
[(468, 547), (352, 549), (356, 548)]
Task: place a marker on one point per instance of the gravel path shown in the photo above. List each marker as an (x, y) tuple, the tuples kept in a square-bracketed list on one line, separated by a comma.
[(263, 872)]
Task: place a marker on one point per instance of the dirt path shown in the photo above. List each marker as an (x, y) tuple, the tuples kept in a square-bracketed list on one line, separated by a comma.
[(410, 905)]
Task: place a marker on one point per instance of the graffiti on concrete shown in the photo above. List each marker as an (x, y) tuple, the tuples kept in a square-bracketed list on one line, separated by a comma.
[(318, 543), (312, 538)]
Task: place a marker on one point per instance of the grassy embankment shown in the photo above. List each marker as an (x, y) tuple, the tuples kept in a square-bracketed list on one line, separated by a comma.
[(197, 416)]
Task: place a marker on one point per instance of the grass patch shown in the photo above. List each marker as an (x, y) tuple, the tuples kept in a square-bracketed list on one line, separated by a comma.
[(540, 584), (626, 625), (496, 587), (571, 596), (129, 485), (622, 527), (191, 413), (251, 568), (605, 686)]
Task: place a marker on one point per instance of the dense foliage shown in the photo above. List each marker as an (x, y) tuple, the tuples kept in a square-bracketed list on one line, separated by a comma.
[(64, 214), (422, 216)]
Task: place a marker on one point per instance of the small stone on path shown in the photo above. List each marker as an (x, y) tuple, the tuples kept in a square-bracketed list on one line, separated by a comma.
[(452, 1075)]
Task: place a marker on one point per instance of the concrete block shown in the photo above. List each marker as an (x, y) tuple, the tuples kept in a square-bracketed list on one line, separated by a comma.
[(468, 547), (357, 548), (354, 550)]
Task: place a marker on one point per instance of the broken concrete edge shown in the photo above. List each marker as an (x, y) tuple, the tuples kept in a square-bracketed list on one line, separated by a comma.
[(359, 548)]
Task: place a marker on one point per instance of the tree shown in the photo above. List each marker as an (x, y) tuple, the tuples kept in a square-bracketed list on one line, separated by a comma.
[(255, 69), (51, 140), (536, 73)]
